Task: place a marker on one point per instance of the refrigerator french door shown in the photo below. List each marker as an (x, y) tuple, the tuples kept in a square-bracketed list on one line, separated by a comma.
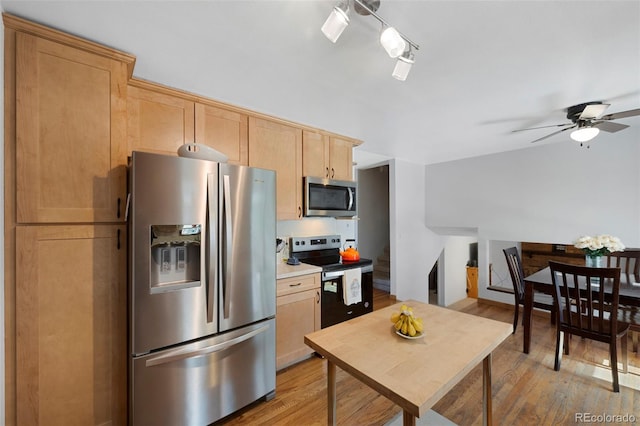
[(202, 289)]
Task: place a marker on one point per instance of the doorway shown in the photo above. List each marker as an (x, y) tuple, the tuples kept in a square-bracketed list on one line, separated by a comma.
[(373, 223)]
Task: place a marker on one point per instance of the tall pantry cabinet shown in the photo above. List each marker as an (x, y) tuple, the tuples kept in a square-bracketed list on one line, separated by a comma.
[(65, 174)]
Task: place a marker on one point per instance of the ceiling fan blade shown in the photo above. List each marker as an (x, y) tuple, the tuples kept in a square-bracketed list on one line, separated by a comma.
[(593, 111), (622, 114), (543, 127), (554, 133), (609, 126)]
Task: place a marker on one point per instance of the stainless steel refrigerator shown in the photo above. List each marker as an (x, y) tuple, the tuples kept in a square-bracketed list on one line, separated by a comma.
[(202, 281)]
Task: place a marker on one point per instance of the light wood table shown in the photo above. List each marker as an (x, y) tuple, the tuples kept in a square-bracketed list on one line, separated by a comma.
[(414, 374)]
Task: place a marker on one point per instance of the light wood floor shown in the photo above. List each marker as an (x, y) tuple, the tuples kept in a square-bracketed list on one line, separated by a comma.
[(526, 389)]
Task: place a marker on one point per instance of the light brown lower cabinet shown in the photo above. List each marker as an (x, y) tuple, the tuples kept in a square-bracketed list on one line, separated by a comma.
[(71, 325), (297, 313)]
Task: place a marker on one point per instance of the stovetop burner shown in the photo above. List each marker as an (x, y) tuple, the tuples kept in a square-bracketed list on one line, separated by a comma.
[(323, 251)]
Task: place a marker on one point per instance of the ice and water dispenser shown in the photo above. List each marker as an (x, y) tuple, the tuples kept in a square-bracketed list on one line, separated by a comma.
[(175, 257)]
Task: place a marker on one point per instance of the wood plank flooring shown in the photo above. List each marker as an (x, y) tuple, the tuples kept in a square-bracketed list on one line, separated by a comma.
[(526, 389)]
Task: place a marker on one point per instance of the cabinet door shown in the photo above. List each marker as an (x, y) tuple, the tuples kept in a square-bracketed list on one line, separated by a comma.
[(158, 122), (70, 134), (341, 159), (223, 130), (297, 314), (278, 147), (315, 154), (71, 349)]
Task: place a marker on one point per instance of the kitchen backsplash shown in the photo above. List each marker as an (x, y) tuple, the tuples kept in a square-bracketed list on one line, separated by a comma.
[(308, 227)]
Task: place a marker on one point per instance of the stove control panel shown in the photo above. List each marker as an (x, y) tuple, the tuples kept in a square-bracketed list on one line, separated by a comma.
[(324, 242)]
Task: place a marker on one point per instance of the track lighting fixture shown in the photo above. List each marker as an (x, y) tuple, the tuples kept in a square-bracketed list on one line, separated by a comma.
[(396, 44), (392, 42), (403, 65), (337, 21)]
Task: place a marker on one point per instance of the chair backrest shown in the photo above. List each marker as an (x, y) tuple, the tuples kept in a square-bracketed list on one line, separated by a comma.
[(515, 269), (629, 263), (587, 298)]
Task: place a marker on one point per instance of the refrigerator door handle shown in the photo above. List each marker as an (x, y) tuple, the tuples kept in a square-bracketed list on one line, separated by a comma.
[(211, 252), (228, 241), (180, 354)]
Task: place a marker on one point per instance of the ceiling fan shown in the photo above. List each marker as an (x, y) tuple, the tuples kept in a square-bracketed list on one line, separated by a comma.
[(587, 120)]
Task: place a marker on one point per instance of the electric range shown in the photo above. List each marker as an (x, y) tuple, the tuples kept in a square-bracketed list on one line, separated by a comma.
[(324, 251)]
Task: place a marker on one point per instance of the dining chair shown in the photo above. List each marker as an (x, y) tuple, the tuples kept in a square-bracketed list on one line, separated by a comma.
[(629, 263), (587, 302), (540, 300)]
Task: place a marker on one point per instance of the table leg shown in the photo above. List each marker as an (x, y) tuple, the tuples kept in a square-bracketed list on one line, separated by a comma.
[(486, 392), (527, 313), (408, 419), (331, 393)]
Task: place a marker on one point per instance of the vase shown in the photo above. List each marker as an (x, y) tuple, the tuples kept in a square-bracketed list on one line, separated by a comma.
[(594, 262)]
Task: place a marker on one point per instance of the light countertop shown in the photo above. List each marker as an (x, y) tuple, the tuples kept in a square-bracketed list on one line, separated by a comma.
[(287, 271)]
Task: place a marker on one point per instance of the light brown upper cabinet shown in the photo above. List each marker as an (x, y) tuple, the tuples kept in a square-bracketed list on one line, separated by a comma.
[(341, 158), (277, 146), (223, 130), (326, 156), (158, 122), (70, 133)]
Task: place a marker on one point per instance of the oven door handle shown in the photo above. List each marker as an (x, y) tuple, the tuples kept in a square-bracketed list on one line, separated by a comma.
[(335, 274)]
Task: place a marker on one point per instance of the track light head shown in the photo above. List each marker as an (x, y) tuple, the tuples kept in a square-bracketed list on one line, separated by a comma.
[(337, 21), (392, 41), (403, 65)]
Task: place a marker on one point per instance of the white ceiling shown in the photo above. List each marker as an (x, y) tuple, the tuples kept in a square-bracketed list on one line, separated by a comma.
[(484, 68)]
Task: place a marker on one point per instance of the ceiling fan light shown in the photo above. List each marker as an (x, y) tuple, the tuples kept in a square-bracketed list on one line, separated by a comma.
[(392, 42), (337, 21), (584, 134), (403, 66)]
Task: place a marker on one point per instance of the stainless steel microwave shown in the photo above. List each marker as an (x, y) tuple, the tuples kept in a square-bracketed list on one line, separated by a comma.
[(325, 197)]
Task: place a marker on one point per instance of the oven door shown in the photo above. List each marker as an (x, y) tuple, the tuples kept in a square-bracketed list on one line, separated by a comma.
[(333, 308)]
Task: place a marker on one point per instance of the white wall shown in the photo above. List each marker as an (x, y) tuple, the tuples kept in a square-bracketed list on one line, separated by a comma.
[(414, 248), (550, 193), (456, 255)]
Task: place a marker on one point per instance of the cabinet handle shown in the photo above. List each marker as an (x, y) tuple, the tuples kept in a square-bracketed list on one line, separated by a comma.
[(118, 240), (327, 173), (295, 285), (317, 297), (299, 211), (118, 208), (333, 173)]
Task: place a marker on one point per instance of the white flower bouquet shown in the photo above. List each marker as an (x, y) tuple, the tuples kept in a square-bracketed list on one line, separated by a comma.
[(599, 245)]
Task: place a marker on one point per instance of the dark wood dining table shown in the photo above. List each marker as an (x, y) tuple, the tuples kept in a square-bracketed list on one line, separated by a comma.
[(541, 281)]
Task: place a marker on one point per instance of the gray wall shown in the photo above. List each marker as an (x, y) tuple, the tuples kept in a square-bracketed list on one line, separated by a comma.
[(373, 211)]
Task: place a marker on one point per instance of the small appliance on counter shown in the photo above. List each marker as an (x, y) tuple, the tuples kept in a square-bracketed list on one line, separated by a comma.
[(346, 287)]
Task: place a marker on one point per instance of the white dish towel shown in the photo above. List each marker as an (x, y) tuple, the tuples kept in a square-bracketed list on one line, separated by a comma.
[(351, 287)]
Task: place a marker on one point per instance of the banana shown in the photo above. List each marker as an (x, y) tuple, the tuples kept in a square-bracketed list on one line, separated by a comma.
[(411, 329), (405, 326), (395, 317), (398, 324), (417, 323)]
